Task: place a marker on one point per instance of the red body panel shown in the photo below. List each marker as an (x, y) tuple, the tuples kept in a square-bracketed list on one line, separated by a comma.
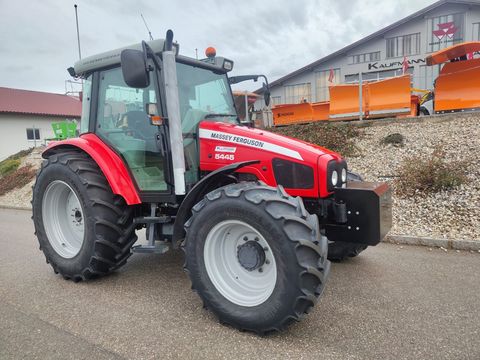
[(222, 144), (109, 162)]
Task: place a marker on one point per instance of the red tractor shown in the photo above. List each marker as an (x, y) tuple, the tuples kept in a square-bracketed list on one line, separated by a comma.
[(161, 148)]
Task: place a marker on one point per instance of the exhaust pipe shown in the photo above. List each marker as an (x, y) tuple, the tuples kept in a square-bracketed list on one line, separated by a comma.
[(173, 110)]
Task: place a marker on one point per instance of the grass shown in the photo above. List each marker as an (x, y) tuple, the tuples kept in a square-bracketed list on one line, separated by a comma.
[(336, 137), (11, 176), (12, 163), (425, 175), (16, 179), (9, 165)]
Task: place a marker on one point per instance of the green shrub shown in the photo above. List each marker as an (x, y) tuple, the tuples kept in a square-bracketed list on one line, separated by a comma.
[(336, 137), (420, 174), (394, 139), (9, 165), (13, 162)]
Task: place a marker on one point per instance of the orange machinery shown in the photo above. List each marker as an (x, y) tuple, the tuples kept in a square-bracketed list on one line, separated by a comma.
[(287, 114), (457, 87), (384, 98)]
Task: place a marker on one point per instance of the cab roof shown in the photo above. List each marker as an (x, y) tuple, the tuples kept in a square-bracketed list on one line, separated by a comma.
[(112, 57)]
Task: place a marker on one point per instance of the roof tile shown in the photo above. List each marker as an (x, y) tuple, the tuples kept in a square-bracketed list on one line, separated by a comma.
[(39, 103)]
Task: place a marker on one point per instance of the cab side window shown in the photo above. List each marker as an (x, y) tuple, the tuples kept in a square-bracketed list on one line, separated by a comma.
[(123, 122)]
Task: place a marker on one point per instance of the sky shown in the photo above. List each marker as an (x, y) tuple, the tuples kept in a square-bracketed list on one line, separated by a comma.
[(38, 39)]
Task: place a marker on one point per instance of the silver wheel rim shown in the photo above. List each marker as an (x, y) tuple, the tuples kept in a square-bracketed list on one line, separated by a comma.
[(237, 284), (63, 220)]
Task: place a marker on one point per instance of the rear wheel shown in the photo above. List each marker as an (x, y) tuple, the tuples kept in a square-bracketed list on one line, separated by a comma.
[(83, 229), (255, 256)]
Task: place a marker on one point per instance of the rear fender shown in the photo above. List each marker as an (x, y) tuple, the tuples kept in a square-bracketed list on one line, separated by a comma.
[(110, 163)]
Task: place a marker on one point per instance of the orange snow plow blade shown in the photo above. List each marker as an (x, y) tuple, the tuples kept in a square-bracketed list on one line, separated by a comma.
[(321, 110), (287, 114), (457, 86), (344, 101), (388, 97), (382, 98), (453, 52)]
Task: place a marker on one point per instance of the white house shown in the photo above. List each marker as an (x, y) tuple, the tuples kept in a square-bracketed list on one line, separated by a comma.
[(26, 117)]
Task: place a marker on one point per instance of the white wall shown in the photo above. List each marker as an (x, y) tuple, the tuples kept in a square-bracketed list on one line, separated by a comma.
[(13, 133)]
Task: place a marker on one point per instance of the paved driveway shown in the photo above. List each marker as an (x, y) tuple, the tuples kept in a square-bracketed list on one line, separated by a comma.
[(389, 303)]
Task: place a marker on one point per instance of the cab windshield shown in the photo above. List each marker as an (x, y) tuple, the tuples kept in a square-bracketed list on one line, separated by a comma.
[(203, 94)]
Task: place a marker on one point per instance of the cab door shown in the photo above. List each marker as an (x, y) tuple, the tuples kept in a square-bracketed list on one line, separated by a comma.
[(123, 123)]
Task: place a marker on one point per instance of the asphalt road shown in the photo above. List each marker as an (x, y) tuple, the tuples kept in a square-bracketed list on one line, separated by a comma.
[(389, 303)]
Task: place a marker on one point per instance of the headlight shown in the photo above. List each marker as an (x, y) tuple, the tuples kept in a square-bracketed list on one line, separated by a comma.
[(344, 175), (228, 65), (334, 178), (336, 174)]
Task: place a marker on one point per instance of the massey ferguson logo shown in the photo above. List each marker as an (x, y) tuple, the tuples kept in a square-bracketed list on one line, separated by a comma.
[(446, 29)]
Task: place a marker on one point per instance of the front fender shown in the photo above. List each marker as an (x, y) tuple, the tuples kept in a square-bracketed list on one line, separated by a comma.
[(207, 184), (110, 163)]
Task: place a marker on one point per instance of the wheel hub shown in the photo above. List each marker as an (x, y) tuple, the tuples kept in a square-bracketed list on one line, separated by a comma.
[(240, 263), (251, 255), (62, 217)]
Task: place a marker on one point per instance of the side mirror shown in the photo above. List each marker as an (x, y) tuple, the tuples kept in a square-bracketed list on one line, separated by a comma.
[(134, 68), (266, 94)]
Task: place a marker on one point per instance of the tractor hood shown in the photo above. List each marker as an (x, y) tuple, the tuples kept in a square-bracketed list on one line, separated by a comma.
[(300, 167), (263, 140)]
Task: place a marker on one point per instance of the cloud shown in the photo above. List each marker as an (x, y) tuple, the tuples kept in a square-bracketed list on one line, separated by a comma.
[(38, 39)]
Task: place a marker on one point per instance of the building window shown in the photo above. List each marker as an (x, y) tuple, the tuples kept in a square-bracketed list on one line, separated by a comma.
[(365, 58), (475, 31), (403, 45), (322, 83), (298, 93), (445, 31), (427, 76), (33, 134), (276, 100)]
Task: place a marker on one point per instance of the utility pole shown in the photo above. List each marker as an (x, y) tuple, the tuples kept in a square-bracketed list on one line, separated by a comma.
[(78, 33), (360, 97)]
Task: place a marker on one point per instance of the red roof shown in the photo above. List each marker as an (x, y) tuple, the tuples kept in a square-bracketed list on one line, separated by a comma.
[(39, 103)]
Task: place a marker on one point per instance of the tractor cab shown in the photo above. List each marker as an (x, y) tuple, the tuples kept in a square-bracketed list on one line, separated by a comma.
[(133, 121)]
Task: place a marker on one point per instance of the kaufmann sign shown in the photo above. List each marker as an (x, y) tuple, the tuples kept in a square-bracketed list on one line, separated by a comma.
[(393, 64)]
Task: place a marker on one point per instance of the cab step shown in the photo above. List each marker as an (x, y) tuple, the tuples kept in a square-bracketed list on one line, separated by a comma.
[(160, 247)]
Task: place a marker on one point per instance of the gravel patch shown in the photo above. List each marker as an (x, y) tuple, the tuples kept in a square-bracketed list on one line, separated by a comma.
[(453, 214)]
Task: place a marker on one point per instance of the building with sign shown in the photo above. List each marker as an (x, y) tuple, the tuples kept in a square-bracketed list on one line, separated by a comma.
[(382, 54)]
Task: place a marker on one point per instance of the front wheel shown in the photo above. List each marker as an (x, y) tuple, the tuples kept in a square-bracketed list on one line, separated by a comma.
[(255, 256)]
